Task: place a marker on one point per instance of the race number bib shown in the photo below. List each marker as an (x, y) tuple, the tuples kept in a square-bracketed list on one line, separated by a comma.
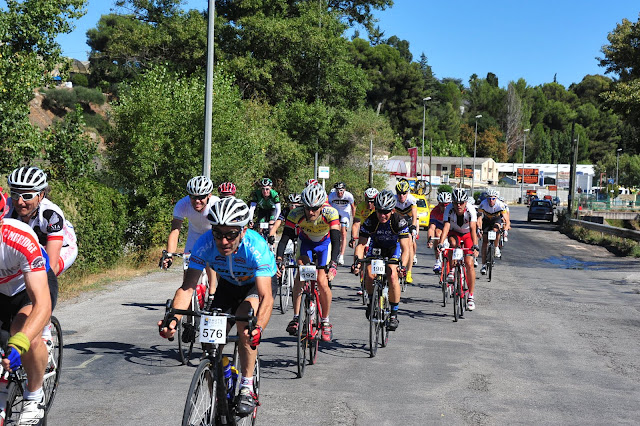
[(457, 254), (213, 329), (308, 272), (491, 235), (377, 267), (264, 225)]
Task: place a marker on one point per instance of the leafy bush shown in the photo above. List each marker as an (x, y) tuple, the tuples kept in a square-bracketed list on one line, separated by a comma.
[(80, 80), (85, 95), (99, 216), (445, 188), (59, 98)]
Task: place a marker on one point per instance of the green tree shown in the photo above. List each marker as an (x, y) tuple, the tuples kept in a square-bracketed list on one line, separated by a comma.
[(28, 53)]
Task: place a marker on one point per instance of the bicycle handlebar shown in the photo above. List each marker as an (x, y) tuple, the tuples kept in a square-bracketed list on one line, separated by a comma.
[(166, 255)]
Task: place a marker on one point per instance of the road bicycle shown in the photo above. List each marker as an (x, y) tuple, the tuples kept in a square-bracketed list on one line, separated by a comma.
[(447, 287), (285, 284), (187, 328), (310, 313), (380, 307), (491, 252), (17, 380), (211, 399), (460, 289), (264, 232)]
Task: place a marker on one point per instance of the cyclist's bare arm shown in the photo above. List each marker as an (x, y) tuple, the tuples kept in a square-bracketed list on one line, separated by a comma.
[(414, 217), (38, 290), (265, 297), (213, 280), (53, 248), (445, 232), (182, 298), (431, 232), (274, 228), (172, 241)]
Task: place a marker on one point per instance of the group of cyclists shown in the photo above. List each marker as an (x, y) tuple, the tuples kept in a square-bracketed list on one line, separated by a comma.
[(37, 244)]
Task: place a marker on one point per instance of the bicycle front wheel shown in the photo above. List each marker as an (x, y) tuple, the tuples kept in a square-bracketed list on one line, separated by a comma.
[(202, 403), (490, 257), (285, 289), (250, 419), (374, 321), (314, 331), (443, 280), (456, 295), (385, 313), (303, 334), (186, 329), (54, 363)]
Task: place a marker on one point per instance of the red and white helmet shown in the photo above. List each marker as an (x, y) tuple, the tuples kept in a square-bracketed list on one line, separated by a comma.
[(311, 182), (227, 188)]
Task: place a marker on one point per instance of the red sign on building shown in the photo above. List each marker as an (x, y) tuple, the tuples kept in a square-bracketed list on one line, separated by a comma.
[(413, 153)]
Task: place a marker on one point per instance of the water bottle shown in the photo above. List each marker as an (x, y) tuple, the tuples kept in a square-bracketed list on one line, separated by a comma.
[(228, 377), (312, 308), (234, 379)]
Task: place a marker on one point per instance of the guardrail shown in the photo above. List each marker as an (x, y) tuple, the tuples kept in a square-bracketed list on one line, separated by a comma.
[(608, 229)]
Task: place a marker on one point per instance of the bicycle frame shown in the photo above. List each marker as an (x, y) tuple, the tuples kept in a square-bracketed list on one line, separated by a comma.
[(461, 289), (309, 319)]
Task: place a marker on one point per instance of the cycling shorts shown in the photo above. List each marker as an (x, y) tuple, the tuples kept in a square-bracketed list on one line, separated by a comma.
[(229, 296), (11, 305), (322, 251), (264, 216), (392, 253), (464, 240), (489, 223), (344, 221)]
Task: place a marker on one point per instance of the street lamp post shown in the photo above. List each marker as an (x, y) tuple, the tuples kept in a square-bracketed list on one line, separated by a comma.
[(524, 148), (618, 151), (424, 116), (475, 142), (208, 101)]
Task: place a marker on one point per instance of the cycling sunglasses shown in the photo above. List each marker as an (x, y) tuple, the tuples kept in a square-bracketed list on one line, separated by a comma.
[(198, 197), (230, 236), (312, 209), (383, 211), (27, 196)]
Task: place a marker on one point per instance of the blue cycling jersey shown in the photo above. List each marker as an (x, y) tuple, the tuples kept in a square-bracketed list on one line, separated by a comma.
[(252, 259)]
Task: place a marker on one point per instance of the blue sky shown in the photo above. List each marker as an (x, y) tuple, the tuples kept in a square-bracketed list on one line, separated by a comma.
[(511, 38)]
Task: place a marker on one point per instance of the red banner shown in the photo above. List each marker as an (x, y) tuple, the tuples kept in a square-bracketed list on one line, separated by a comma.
[(413, 153)]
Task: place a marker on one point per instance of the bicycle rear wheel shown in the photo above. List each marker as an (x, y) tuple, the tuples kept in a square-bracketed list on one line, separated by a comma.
[(374, 320), (303, 331), (385, 313), (202, 402), (365, 296), (456, 295), (284, 290), (403, 284), (14, 403), (54, 364)]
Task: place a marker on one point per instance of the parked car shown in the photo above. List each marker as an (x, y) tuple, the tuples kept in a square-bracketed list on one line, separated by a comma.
[(541, 210), (424, 210)]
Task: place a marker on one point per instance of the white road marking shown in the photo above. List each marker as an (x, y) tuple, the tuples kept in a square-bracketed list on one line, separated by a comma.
[(577, 247), (87, 362)]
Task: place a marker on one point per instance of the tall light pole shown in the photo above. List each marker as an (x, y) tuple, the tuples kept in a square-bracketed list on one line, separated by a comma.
[(208, 101), (524, 148), (618, 151), (424, 116), (475, 142)]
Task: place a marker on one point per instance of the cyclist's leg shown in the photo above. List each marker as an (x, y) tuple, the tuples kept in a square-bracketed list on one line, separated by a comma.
[(467, 242), (394, 256), (344, 225), (323, 254), (247, 355)]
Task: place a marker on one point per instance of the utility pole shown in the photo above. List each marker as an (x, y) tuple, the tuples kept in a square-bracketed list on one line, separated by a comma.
[(572, 172), (371, 151), (208, 101)]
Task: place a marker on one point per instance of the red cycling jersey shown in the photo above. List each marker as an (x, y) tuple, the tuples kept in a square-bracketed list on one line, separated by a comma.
[(20, 253)]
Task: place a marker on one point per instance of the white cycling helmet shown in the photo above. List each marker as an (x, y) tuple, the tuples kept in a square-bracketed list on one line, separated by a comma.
[(492, 193), (199, 185), (27, 178), (229, 212), (386, 200), (294, 198), (460, 196), (444, 197), (313, 196), (370, 194)]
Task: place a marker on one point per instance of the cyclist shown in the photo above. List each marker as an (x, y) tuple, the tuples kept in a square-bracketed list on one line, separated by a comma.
[(29, 204), (195, 207), (407, 206), (493, 218), (319, 234), (267, 202), (227, 189), (363, 210), (246, 284), (460, 227), (294, 201), (28, 293), (342, 200), (388, 231), (436, 223), (507, 214)]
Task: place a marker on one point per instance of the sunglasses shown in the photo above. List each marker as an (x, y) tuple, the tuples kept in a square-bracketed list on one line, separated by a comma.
[(492, 198), (198, 197), (312, 209), (459, 204), (383, 211), (27, 196), (230, 236)]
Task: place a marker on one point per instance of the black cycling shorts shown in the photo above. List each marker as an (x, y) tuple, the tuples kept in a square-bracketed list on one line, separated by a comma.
[(489, 223), (229, 296), (11, 305)]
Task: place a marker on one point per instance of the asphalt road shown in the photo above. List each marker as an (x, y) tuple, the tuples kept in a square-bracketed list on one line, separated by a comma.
[(555, 339)]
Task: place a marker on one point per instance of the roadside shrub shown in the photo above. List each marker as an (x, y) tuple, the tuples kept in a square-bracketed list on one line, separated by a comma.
[(445, 188), (86, 95), (99, 216), (80, 80)]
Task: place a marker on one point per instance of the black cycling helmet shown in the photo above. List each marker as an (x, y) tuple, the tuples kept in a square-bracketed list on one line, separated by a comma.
[(339, 185)]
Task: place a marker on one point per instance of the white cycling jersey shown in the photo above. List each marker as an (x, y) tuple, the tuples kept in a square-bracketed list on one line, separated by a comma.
[(342, 204), (198, 222), (492, 211), (460, 224), (49, 224), (20, 253), (406, 208)]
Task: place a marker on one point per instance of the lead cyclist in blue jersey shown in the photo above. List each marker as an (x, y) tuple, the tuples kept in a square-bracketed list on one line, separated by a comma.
[(245, 266)]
